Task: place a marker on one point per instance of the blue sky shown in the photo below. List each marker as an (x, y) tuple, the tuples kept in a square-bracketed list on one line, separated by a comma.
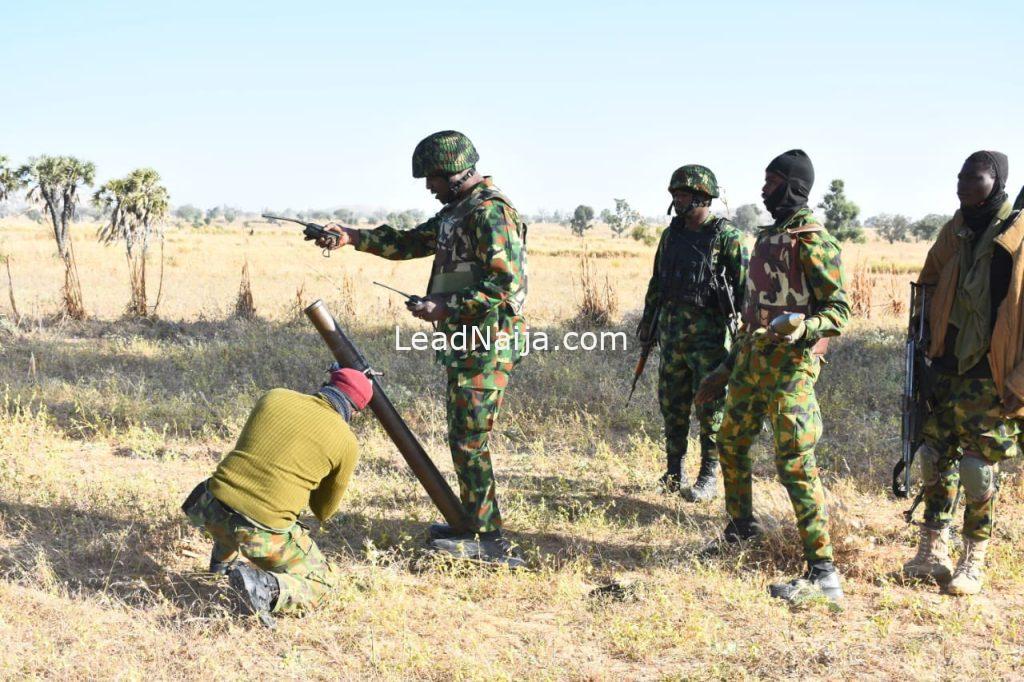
[(320, 104)]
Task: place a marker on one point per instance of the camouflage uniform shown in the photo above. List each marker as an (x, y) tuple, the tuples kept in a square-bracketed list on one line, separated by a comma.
[(692, 333), (479, 248), (794, 267), (968, 417), (303, 575)]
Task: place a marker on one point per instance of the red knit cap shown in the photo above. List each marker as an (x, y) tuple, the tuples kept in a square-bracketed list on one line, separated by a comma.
[(353, 384)]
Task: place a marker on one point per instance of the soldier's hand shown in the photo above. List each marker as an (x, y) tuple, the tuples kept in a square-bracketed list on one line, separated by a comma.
[(712, 387), (797, 333), (643, 332), (1011, 402), (346, 235), (430, 308)]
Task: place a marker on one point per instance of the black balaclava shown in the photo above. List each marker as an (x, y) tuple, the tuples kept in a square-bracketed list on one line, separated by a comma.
[(796, 167), (978, 217)]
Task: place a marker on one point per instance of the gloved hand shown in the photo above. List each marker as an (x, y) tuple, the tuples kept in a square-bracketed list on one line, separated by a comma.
[(431, 308)]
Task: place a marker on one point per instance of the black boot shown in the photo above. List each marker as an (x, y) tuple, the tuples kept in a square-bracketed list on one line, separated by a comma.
[(821, 579), (736, 531), (439, 531), (489, 548), (706, 486), (672, 480), (257, 591)]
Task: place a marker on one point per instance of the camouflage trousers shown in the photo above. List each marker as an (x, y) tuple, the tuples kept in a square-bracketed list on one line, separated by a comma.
[(685, 360), (473, 401), (776, 381), (303, 574), (967, 421)]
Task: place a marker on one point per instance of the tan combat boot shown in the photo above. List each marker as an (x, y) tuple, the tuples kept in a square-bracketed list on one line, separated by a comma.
[(969, 574), (932, 561)]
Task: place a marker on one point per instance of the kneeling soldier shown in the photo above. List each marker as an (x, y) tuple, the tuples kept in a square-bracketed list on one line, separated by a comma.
[(294, 451), (976, 321)]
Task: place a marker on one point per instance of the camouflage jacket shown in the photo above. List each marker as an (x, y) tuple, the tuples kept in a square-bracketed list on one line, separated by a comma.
[(727, 251), (820, 262), (492, 235)]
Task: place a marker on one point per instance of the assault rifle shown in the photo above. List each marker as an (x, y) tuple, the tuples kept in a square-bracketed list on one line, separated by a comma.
[(645, 351), (725, 294), (313, 231), (915, 406)]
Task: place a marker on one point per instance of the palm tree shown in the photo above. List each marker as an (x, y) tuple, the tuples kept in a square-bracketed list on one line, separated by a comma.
[(54, 181), (10, 180), (135, 206)]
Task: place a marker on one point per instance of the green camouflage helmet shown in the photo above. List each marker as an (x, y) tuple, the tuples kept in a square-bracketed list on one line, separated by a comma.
[(696, 179), (445, 153)]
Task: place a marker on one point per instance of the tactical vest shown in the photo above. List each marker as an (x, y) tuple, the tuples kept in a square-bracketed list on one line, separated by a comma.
[(456, 266), (685, 267), (776, 283)]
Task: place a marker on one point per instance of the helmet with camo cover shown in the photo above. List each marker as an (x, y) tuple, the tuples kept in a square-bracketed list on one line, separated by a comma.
[(695, 178), (445, 153)]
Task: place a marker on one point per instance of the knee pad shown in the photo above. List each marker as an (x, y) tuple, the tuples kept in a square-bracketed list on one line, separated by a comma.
[(978, 478), (929, 459)]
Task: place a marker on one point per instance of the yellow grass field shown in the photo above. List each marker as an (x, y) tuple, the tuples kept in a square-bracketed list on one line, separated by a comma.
[(106, 425)]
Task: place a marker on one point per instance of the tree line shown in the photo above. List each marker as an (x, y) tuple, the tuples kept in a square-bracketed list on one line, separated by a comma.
[(842, 220)]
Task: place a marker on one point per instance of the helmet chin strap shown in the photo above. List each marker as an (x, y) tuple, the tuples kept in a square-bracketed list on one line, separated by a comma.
[(456, 182), (695, 202)]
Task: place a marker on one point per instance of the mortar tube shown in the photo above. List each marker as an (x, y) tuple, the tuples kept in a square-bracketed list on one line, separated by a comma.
[(347, 355)]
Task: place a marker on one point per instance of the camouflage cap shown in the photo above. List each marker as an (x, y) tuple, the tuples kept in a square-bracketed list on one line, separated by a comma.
[(695, 178), (445, 153)]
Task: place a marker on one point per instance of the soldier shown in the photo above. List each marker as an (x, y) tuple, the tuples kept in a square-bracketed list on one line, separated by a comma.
[(477, 286), (794, 268), (697, 284), (294, 451), (974, 274)]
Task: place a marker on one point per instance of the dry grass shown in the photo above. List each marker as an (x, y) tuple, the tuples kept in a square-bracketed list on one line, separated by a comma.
[(105, 425)]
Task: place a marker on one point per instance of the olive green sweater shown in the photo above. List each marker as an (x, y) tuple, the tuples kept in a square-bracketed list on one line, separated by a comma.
[(294, 450)]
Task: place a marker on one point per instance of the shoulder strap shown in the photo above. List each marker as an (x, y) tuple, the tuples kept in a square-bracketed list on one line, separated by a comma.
[(804, 229)]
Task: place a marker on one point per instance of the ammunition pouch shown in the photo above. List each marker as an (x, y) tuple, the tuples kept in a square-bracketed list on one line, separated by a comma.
[(450, 282)]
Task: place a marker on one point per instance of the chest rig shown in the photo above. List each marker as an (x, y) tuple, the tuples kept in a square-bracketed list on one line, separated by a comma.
[(776, 283), (686, 266), (456, 264)]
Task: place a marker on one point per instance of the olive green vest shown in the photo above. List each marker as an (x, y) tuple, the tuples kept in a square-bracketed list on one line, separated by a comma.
[(456, 266)]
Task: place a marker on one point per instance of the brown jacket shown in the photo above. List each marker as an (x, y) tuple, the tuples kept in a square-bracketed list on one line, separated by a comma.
[(942, 270)]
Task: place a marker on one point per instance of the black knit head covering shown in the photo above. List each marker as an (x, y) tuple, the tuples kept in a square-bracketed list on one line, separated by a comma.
[(789, 197), (978, 217)]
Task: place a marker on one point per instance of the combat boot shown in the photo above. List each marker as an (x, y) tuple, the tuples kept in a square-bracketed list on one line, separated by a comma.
[(969, 574), (736, 531), (440, 531), (932, 561), (821, 578), (488, 548), (256, 590), (672, 480), (706, 486)]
